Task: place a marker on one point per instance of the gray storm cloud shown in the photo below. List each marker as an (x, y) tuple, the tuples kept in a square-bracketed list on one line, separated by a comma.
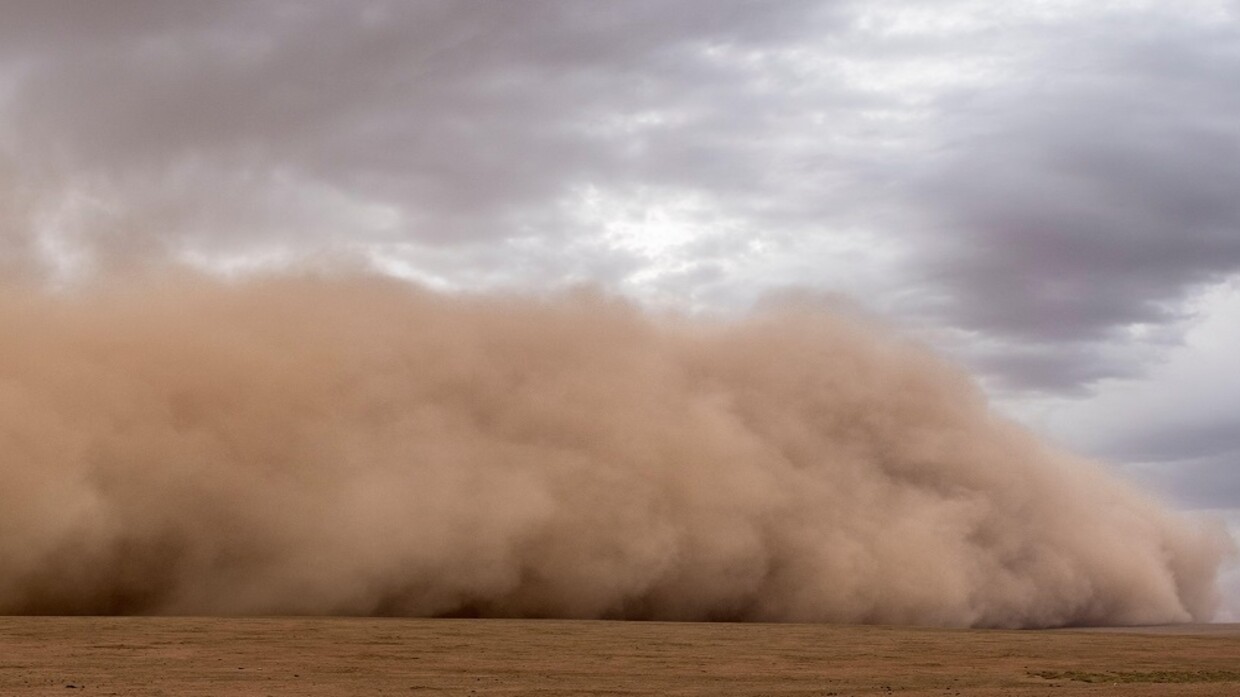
[(352, 445)]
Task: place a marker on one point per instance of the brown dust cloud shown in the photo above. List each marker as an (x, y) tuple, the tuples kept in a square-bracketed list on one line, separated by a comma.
[(348, 445)]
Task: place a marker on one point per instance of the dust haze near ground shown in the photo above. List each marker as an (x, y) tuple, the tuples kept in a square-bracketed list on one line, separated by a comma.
[(352, 445)]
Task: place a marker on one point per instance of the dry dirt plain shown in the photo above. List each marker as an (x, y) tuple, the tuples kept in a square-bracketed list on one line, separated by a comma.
[(284, 656)]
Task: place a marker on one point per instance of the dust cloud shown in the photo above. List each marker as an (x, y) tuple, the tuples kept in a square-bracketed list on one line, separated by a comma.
[(353, 445)]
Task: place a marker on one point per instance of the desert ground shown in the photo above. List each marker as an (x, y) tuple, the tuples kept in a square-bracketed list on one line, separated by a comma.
[(325, 656)]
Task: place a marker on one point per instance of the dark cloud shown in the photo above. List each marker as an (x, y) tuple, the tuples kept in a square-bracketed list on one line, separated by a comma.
[(1064, 369), (1067, 230), (1092, 193)]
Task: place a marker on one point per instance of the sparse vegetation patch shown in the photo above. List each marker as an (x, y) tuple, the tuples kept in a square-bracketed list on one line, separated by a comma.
[(1154, 676)]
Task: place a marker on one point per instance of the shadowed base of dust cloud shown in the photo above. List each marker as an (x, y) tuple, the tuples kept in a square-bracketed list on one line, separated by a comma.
[(359, 446)]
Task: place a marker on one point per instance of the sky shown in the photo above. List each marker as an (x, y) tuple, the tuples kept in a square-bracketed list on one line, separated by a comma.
[(1045, 190)]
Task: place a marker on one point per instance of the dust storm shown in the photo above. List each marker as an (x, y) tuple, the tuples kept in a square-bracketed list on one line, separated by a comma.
[(352, 445)]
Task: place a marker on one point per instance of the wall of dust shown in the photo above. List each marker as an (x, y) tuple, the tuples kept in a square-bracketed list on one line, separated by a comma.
[(351, 445)]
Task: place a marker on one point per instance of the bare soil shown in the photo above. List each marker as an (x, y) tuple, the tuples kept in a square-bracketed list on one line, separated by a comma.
[(322, 656)]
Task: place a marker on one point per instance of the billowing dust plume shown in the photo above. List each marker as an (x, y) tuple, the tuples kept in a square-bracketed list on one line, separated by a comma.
[(358, 446)]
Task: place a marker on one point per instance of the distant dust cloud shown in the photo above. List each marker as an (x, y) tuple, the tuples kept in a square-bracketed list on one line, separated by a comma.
[(351, 445)]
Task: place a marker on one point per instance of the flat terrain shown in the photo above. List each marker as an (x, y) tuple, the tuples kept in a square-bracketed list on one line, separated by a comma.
[(280, 656)]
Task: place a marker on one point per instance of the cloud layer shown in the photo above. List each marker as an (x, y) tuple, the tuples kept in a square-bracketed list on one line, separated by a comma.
[(1046, 177)]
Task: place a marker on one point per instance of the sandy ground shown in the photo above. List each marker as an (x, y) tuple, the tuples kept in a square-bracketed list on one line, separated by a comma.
[(283, 656)]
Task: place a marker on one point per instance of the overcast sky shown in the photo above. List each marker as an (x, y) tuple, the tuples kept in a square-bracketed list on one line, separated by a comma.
[(1048, 190)]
